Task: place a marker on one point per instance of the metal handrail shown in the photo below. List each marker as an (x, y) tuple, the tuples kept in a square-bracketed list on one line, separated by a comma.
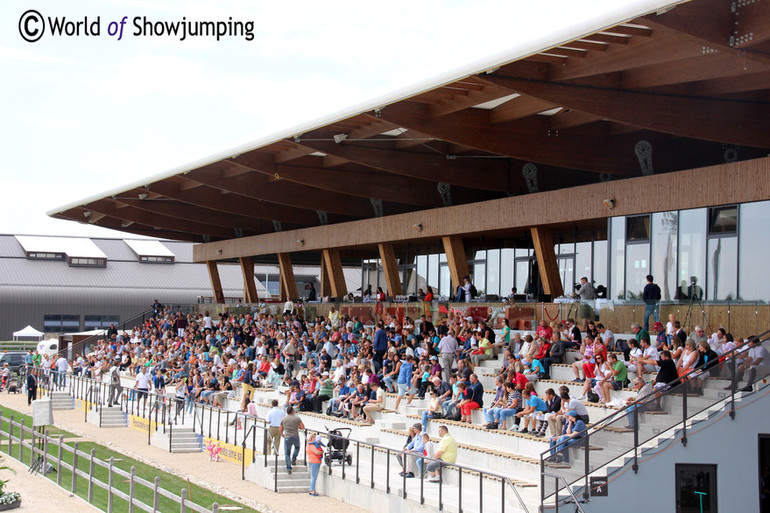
[(675, 387), (518, 495), (569, 490), (261, 424)]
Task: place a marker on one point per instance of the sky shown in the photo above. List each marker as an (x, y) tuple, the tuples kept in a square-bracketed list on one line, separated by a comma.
[(84, 114)]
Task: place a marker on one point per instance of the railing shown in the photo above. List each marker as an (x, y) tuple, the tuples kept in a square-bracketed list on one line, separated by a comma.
[(213, 422), (611, 435), (45, 450)]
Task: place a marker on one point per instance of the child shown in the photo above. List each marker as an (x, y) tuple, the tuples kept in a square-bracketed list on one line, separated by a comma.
[(428, 450), (670, 328)]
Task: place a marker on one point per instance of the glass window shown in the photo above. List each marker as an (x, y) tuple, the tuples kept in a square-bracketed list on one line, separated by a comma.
[(445, 279), (61, 323), (92, 322), (638, 228), (523, 269), (637, 269), (422, 272), (479, 277), (506, 271), (600, 263), (617, 258), (723, 220), (493, 272), (664, 245), (696, 488), (754, 246), (723, 268), (433, 273), (583, 261), (567, 273), (565, 248), (692, 254)]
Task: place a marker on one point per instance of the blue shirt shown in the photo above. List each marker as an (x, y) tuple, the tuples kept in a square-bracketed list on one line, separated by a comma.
[(405, 373), (538, 403), (380, 341)]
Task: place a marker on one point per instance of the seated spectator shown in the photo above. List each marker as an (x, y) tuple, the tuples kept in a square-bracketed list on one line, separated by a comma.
[(601, 373), (375, 403), (552, 408), (473, 398), (556, 354), (411, 452), (643, 401), (574, 431), (755, 365), (586, 362), (616, 379), (456, 396), (445, 453), (513, 405), (568, 403), (534, 408), (497, 404)]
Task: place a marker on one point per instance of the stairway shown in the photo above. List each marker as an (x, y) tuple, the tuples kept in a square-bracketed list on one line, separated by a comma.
[(296, 482), (184, 439), (62, 401), (113, 417)]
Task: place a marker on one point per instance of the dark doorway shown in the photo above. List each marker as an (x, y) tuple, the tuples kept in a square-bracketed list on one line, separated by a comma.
[(696, 488), (764, 473)]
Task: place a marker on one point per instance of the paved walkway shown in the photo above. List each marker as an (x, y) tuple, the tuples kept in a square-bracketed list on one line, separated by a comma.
[(38, 493), (221, 477)]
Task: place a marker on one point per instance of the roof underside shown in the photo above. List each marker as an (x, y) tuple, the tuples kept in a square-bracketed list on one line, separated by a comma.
[(680, 90)]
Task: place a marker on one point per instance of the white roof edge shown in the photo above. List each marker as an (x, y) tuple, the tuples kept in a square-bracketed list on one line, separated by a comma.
[(624, 11)]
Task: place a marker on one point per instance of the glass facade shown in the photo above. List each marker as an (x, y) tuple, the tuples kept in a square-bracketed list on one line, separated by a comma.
[(709, 254), (753, 249)]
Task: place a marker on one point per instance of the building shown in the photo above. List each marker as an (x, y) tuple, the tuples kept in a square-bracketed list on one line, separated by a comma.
[(72, 284)]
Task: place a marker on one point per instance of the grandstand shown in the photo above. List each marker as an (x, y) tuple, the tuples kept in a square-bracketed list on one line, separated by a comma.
[(634, 147)]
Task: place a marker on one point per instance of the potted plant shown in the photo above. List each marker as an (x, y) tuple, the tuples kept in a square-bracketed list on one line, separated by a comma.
[(8, 500)]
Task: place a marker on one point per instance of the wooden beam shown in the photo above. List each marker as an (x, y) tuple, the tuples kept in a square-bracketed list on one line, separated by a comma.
[(326, 286), (334, 273), (457, 261), (699, 118), (263, 188), (489, 174), (518, 108), (744, 181), (249, 286), (288, 284), (546, 261), (208, 197), (528, 140), (216, 283), (390, 268)]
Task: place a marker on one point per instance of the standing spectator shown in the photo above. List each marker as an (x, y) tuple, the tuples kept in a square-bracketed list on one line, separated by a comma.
[(448, 349), (61, 371), (446, 453), (273, 419), (290, 426), (116, 389), (31, 387), (651, 296), (464, 291), (314, 451)]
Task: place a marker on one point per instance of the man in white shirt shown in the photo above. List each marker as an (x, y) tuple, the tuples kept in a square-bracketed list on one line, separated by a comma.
[(142, 386), (717, 340), (61, 369), (273, 419), (449, 349), (649, 357), (757, 363)]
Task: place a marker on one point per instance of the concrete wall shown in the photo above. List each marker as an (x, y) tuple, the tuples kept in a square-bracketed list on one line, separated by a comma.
[(731, 445)]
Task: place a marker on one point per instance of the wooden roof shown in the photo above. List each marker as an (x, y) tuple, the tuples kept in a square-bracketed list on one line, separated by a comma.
[(683, 89)]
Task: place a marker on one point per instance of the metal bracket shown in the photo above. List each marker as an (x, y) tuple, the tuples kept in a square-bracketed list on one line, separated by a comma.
[(643, 150), (323, 217), (377, 206), (277, 226), (445, 191), (530, 176)]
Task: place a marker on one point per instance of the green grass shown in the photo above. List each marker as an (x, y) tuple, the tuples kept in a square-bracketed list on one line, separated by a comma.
[(172, 483)]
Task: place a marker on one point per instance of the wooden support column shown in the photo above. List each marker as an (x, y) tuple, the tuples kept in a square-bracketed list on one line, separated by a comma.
[(288, 285), (390, 267), (334, 273), (249, 286), (456, 259), (326, 287), (216, 283), (546, 261)]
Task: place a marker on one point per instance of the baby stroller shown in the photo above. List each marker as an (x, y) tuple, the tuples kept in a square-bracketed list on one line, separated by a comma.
[(339, 440), (12, 385)]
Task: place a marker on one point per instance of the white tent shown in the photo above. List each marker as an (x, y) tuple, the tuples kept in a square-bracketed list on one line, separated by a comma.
[(28, 332)]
